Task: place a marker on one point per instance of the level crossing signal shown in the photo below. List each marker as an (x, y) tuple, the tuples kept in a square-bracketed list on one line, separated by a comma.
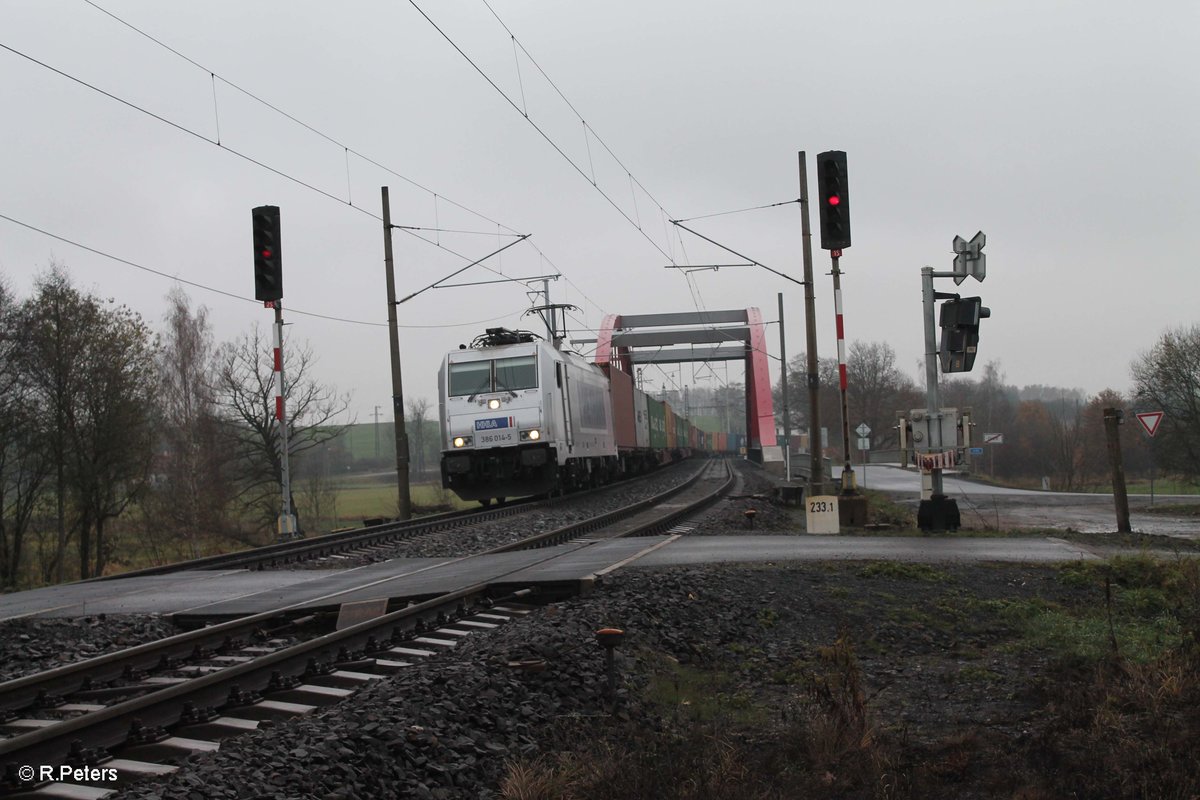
[(268, 262), (959, 322), (834, 190)]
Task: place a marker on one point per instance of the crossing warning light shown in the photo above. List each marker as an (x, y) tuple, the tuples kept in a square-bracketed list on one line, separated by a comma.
[(960, 332)]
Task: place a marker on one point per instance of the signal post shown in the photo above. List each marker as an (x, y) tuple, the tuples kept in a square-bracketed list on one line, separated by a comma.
[(268, 287), (959, 322), (833, 185)]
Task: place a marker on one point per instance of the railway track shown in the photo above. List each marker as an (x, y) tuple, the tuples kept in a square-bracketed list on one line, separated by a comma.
[(163, 700), (328, 548)]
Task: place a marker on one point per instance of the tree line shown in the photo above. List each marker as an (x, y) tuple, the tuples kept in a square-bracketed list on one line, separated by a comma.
[(103, 418), (1049, 432)]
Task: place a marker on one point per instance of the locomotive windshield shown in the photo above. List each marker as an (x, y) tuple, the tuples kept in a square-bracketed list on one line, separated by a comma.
[(515, 373), (501, 375), (471, 377)]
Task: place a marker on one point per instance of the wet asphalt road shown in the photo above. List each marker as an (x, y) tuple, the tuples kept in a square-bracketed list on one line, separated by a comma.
[(984, 506)]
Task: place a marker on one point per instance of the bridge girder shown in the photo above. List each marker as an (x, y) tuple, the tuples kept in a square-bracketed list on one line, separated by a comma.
[(729, 335)]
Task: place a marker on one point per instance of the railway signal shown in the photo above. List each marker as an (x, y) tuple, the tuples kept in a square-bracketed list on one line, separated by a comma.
[(834, 190), (268, 261)]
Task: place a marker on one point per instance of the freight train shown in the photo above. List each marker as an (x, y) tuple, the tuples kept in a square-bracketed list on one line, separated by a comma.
[(520, 416)]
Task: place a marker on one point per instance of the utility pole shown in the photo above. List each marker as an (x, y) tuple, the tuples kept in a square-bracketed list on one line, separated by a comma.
[(816, 480), (404, 499), (1112, 418), (376, 431)]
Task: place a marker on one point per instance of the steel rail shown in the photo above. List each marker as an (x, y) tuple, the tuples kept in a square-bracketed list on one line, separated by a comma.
[(164, 707), (111, 726), (22, 692), (596, 523), (280, 553)]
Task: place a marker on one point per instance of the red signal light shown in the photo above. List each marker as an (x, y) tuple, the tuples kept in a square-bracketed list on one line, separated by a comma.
[(834, 200), (266, 253)]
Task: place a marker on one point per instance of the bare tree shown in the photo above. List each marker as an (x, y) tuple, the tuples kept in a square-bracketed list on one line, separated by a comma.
[(1167, 378), (56, 322), (877, 390), (193, 490), (318, 488), (24, 463), (1032, 450), (90, 366), (798, 395), (1066, 445), (112, 428), (245, 395), (418, 410)]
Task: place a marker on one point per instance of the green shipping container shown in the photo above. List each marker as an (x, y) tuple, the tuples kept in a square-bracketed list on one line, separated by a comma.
[(658, 424)]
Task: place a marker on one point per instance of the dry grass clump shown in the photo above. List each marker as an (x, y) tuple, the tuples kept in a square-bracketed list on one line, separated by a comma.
[(1125, 728), (1117, 664), (823, 744), (628, 761)]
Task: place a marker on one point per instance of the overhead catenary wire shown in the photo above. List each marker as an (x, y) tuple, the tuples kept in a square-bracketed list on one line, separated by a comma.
[(549, 140), (332, 140), (217, 141), (738, 211), (227, 149), (348, 150), (678, 223), (222, 292), (571, 106)]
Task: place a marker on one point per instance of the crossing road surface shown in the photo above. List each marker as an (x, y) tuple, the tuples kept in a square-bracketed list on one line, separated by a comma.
[(984, 506)]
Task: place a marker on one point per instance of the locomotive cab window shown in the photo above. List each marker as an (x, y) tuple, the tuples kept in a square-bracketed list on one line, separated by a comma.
[(518, 372), (470, 377), (501, 375)]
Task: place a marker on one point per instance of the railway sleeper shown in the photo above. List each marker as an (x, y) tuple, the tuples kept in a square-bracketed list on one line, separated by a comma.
[(202, 730)]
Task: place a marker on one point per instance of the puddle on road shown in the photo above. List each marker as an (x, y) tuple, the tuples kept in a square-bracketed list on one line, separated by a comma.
[(1097, 516)]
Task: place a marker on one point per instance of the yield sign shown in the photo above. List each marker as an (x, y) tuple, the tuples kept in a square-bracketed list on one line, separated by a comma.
[(1150, 420)]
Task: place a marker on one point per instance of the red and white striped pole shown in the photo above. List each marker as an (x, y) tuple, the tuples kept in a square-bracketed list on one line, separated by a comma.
[(848, 483), (287, 520)]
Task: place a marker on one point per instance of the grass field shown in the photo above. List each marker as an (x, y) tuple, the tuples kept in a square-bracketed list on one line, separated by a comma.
[(374, 495), (1163, 486)]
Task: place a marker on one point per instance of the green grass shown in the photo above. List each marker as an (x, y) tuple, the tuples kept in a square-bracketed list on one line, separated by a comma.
[(1161, 486), (701, 694), (1141, 603), (1174, 509), (904, 570), (364, 499)]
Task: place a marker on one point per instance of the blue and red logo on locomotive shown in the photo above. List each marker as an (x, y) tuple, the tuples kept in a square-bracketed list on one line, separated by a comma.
[(495, 423)]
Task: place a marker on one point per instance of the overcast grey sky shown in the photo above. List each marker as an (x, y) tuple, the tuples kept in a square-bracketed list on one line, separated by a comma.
[(1064, 130)]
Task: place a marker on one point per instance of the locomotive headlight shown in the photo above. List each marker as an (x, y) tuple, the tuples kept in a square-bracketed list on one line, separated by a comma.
[(493, 404), (535, 434), (462, 441)]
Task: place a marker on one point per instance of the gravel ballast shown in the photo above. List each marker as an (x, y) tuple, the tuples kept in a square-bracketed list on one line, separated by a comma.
[(452, 726), (32, 644)]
